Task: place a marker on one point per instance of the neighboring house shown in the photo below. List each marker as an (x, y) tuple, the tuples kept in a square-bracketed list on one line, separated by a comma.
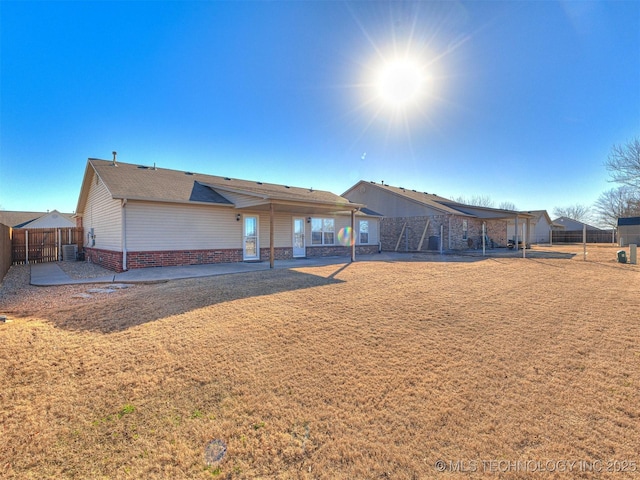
[(568, 224), (417, 221), (52, 219), (540, 224), (629, 231), (136, 216)]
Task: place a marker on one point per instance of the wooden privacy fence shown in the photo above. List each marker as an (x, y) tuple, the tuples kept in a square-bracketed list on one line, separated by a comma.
[(40, 245), (5, 250), (575, 236)]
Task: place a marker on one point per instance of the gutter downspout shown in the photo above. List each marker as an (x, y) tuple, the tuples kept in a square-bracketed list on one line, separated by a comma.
[(124, 234)]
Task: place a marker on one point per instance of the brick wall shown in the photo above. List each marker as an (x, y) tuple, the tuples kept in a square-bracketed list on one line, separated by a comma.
[(105, 258), (173, 258), (170, 258), (282, 253), (414, 229), (340, 251)]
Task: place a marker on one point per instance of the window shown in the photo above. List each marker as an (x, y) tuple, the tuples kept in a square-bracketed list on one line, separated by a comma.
[(364, 231), (465, 229), (322, 231)]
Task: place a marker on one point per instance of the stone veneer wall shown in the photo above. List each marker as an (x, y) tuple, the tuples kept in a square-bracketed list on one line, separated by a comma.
[(391, 228)]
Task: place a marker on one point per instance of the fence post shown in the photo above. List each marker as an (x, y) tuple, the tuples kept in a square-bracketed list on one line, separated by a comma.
[(26, 246)]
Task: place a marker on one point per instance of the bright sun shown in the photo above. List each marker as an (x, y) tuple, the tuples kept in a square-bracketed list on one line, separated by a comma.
[(400, 82)]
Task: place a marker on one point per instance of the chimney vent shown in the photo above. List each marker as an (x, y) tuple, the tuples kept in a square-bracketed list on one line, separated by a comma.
[(115, 160)]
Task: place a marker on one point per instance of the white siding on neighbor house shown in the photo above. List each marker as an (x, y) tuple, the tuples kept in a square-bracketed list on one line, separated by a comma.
[(166, 226), (628, 234), (103, 214), (539, 230), (51, 220)]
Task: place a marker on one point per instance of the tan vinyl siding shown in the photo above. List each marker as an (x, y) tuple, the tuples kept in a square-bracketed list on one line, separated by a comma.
[(390, 205), (283, 229), (164, 226), (103, 214), (240, 200)]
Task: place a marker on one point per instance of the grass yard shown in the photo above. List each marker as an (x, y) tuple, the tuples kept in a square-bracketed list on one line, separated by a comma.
[(496, 367)]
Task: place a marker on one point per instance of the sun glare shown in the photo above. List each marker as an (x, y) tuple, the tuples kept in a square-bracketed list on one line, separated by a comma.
[(400, 83)]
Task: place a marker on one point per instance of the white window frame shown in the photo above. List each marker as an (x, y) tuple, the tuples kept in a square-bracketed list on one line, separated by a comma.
[(327, 230), (360, 232)]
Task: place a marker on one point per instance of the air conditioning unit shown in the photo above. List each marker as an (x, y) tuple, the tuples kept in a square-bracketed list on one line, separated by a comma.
[(69, 253)]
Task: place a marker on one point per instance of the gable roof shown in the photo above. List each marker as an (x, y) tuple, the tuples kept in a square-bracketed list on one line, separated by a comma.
[(139, 182), (441, 204), (628, 221), (430, 200), (21, 219), (571, 224)]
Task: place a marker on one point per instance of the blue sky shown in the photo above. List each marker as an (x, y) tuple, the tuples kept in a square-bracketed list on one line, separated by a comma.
[(524, 100)]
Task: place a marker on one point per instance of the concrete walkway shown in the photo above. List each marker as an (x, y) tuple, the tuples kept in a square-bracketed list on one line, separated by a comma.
[(50, 274)]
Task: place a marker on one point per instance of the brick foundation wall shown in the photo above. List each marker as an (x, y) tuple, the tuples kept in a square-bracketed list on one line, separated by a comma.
[(173, 258), (105, 258), (340, 251), (281, 253), (391, 228)]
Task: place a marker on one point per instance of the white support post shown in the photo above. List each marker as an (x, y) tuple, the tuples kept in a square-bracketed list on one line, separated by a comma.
[(584, 241), (524, 242), (272, 248), (483, 241), (352, 240)]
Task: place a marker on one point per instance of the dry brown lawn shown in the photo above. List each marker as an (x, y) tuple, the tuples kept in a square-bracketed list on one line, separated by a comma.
[(499, 366)]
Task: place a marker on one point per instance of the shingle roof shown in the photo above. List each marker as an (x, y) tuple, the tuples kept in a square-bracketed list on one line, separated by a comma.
[(428, 199), (573, 225), (444, 204), (11, 219), (138, 182)]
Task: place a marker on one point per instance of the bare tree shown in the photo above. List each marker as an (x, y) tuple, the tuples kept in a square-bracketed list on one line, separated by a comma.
[(618, 202), (624, 163), (476, 201), (507, 206), (580, 213)]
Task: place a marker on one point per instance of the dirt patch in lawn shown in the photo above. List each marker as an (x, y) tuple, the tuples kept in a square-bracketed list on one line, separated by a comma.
[(368, 370)]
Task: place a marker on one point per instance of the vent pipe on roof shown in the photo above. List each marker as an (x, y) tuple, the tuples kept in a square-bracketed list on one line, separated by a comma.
[(115, 160)]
